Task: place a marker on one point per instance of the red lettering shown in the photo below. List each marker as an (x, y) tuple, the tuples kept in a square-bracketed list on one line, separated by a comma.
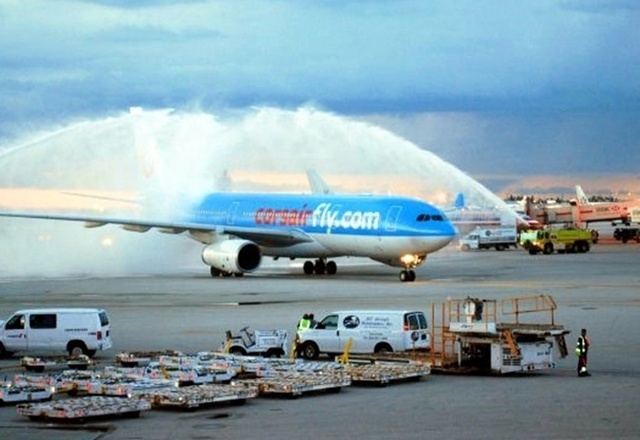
[(259, 214), (282, 217)]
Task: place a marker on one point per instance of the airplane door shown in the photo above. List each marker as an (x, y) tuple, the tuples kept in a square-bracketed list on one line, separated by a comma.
[(392, 218), (231, 214)]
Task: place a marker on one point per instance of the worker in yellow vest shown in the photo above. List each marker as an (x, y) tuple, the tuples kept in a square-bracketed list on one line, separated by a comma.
[(303, 324), (582, 348)]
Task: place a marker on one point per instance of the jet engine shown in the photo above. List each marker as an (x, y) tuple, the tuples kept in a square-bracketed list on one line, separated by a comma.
[(232, 256)]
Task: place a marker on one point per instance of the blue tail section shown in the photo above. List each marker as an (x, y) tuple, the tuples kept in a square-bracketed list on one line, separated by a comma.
[(459, 203)]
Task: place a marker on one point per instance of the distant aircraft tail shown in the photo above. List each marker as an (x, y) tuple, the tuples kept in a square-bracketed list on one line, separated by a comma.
[(317, 183), (459, 202), (145, 143), (582, 198)]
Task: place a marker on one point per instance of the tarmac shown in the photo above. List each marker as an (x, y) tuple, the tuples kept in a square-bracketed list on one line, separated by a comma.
[(190, 312)]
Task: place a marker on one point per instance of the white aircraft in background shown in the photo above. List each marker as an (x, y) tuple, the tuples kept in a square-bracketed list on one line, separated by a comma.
[(582, 212), (625, 211)]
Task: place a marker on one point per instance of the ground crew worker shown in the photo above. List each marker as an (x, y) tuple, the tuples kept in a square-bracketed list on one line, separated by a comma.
[(304, 323), (582, 348)]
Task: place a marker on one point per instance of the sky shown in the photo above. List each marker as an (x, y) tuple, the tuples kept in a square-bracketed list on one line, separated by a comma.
[(501, 89)]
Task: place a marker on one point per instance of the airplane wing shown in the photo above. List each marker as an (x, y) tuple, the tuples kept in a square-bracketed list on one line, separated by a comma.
[(260, 236)]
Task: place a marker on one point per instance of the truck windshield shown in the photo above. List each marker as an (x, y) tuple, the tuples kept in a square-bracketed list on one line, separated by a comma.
[(15, 323)]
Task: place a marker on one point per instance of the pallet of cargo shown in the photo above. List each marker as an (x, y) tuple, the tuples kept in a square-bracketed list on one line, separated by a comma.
[(143, 358), (384, 372), (38, 365), (74, 381), (297, 384), (132, 359), (199, 395), (12, 393), (83, 408), (124, 386), (41, 381)]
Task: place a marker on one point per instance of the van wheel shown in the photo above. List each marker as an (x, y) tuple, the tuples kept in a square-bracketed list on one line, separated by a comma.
[(310, 351), (383, 348), (548, 249), (3, 352), (77, 348)]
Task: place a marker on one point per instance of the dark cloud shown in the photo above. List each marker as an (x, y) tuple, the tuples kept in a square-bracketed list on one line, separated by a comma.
[(542, 76)]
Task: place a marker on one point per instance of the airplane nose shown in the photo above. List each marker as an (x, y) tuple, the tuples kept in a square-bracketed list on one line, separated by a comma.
[(442, 242), (450, 231)]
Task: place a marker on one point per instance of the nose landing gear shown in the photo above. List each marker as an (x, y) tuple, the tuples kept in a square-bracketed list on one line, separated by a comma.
[(407, 275)]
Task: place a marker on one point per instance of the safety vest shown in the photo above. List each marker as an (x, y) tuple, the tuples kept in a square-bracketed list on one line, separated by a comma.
[(304, 324), (582, 346)]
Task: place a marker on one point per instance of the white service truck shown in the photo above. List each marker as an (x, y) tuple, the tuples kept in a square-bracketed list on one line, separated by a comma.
[(486, 238), (77, 331), (369, 331)]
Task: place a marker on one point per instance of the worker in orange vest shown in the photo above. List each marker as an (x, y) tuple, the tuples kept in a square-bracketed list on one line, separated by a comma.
[(582, 348)]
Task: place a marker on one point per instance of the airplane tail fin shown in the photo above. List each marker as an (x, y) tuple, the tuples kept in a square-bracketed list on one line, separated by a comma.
[(582, 198), (459, 202), (317, 183), (145, 143)]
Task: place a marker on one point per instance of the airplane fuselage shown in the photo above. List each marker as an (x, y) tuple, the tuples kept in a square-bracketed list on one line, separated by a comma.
[(381, 228), (238, 229)]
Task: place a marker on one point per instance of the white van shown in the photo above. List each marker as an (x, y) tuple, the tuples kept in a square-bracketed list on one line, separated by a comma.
[(77, 331), (372, 331)]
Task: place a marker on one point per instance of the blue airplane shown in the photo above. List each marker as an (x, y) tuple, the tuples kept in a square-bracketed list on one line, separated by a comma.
[(239, 229)]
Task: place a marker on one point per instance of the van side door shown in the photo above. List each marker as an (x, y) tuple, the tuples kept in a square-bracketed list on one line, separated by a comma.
[(43, 333), (15, 333)]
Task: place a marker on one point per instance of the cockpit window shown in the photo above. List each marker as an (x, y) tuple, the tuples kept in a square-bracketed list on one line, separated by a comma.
[(428, 217)]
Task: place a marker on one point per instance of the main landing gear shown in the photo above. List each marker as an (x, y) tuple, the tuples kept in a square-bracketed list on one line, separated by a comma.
[(320, 267), (407, 275)]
